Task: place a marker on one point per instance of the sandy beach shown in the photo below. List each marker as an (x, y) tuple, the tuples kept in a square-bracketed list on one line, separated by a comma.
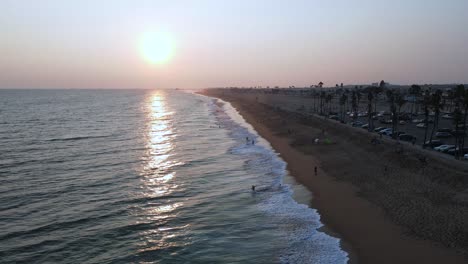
[(386, 203)]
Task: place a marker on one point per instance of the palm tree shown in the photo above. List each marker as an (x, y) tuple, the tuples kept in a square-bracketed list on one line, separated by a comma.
[(426, 104), (400, 101), (370, 97), (391, 101), (343, 100), (414, 90), (457, 118), (461, 101), (322, 97), (354, 104), (328, 99), (437, 105), (465, 105), (359, 95)]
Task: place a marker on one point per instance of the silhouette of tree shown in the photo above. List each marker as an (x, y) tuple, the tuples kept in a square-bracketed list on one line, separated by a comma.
[(437, 105), (354, 104), (370, 97), (399, 101), (343, 100), (415, 91), (426, 104)]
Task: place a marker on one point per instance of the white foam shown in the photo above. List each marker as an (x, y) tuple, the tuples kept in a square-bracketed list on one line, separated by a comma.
[(297, 222)]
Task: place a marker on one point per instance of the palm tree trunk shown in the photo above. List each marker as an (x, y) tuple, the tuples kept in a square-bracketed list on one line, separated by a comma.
[(462, 143), (436, 123), (426, 121)]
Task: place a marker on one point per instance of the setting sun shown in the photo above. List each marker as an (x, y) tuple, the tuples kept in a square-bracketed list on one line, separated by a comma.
[(156, 48)]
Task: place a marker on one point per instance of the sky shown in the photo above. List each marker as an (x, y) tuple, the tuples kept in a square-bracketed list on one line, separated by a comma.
[(97, 43)]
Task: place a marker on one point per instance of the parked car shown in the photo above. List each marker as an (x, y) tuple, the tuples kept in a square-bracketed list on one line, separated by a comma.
[(378, 129), (417, 121), (421, 125), (447, 116), (334, 117), (459, 133), (465, 157), (444, 130), (433, 143), (402, 122), (443, 134), (365, 126), (452, 151), (444, 148), (382, 113), (430, 121), (407, 137), (386, 132), (386, 121), (397, 133), (357, 124)]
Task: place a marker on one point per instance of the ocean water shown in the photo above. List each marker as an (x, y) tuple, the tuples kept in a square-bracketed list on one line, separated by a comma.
[(154, 176)]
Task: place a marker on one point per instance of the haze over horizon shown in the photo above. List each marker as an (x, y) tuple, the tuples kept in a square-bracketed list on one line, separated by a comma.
[(198, 44)]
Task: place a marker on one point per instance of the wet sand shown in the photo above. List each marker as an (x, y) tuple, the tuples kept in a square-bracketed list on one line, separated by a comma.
[(371, 232)]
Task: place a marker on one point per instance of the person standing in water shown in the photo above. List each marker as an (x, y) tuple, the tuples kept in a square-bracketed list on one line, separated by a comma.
[(253, 188)]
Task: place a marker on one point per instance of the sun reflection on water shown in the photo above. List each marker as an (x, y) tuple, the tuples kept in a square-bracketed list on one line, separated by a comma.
[(158, 173)]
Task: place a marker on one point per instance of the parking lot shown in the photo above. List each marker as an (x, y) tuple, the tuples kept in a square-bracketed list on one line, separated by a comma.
[(304, 104)]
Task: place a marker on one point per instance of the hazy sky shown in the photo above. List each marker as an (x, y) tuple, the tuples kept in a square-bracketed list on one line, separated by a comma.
[(95, 43)]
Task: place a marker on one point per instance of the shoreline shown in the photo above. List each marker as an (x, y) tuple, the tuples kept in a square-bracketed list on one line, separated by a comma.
[(365, 231)]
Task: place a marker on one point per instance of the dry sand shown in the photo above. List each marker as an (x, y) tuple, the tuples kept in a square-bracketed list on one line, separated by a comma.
[(382, 220)]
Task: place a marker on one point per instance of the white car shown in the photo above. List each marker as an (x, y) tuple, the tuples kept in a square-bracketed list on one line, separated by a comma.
[(421, 125), (417, 121), (444, 148), (386, 132)]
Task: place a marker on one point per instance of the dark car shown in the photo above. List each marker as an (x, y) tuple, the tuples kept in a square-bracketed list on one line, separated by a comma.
[(386, 121), (378, 129), (434, 143), (399, 133), (458, 133), (452, 151), (444, 130), (443, 134), (357, 124), (407, 137)]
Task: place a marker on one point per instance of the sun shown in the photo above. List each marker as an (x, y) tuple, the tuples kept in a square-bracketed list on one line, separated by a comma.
[(157, 47)]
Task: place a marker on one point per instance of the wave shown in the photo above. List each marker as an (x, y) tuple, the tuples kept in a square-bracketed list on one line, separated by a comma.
[(77, 138)]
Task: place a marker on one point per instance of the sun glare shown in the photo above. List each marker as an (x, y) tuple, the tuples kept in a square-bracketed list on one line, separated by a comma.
[(157, 48)]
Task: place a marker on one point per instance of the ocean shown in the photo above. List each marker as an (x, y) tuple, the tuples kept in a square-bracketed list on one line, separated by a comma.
[(146, 176)]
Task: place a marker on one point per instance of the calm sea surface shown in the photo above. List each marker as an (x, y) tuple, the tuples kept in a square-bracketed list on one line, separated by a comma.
[(112, 176)]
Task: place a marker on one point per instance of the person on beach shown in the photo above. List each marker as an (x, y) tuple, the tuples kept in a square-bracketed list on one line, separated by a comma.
[(315, 170), (253, 142), (253, 188), (246, 140)]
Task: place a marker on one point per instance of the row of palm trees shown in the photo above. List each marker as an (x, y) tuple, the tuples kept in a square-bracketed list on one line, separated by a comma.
[(432, 102)]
